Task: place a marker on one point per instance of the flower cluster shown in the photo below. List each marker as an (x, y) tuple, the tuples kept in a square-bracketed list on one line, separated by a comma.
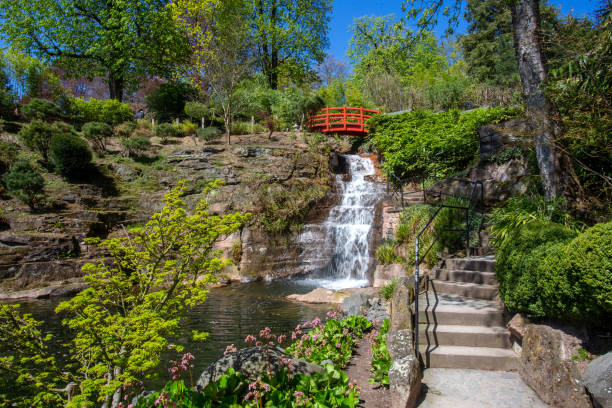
[(178, 367), (163, 401), (334, 315), (256, 390), (353, 388), (300, 398), (230, 349)]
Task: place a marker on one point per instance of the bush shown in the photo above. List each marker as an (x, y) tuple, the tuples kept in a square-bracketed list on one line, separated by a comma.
[(412, 220), (70, 155), (189, 128), (385, 254), (8, 156), (25, 183), (168, 130), (109, 111), (97, 133), (136, 145), (41, 109), (37, 136), (125, 129), (517, 261), (168, 101), (241, 128), (447, 220), (422, 142), (208, 133), (196, 110), (388, 290)]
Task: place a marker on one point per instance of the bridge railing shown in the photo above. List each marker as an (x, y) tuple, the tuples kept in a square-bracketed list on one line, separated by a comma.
[(341, 119)]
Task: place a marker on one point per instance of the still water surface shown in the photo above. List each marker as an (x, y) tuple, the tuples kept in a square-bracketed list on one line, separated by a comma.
[(228, 315)]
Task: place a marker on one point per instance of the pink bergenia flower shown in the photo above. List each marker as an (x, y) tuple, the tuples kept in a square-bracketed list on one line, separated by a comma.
[(230, 349)]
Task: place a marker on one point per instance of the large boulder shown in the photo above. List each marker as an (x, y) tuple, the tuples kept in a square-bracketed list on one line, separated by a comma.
[(548, 368), (405, 371), (598, 380), (385, 274), (252, 362), (401, 312), (321, 295)]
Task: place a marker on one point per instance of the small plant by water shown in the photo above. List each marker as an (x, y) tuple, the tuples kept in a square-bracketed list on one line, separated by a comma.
[(388, 289)]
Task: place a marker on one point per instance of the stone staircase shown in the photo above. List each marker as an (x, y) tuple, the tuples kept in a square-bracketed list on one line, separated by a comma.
[(461, 325)]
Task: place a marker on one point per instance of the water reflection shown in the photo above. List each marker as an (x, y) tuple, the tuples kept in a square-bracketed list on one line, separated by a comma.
[(229, 315)]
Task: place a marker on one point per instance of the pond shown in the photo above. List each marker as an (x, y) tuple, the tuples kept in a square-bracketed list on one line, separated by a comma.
[(229, 314)]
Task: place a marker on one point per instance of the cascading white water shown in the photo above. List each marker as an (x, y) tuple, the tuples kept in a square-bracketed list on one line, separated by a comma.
[(347, 229)]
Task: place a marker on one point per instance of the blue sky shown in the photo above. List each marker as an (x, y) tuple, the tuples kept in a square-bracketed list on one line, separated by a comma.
[(346, 10)]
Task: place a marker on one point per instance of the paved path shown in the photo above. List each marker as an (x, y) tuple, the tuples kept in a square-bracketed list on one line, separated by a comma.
[(459, 388)]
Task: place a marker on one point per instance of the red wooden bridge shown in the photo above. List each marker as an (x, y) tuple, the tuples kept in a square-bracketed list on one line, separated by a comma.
[(341, 120)]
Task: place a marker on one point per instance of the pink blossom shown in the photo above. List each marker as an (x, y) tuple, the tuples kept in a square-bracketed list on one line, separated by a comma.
[(230, 349), (250, 339)]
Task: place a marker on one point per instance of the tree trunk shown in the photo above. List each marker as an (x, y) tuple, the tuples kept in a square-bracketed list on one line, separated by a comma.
[(526, 30), (115, 86)]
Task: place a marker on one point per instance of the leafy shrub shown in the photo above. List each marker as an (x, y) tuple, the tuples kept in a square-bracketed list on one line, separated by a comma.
[(208, 133), (189, 128), (385, 253), (381, 360), (136, 145), (168, 130), (143, 132), (387, 290), (412, 221), (125, 129), (25, 183), (144, 124), (37, 136), (504, 156), (169, 99), (97, 133), (521, 210), (108, 111), (70, 155), (241, 128), (8, 156), (196, 110), (40, 109), (422, 142)]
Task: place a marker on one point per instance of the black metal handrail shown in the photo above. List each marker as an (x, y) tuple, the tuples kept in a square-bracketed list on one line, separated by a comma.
[(470, 208)]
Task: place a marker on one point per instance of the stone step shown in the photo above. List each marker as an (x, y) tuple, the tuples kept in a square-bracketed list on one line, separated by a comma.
[(466, 289), (459, 335), (460, 275), (474, 263), (482, 358), (457, 310)]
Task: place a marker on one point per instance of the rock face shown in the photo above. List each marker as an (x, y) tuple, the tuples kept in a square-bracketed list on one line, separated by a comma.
[(403, 297), (598, 380), (253, 362), (547, 367), (405, 371), (385, 274)]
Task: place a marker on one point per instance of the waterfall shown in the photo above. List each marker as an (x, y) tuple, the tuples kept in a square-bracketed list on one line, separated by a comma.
[(341, 260)]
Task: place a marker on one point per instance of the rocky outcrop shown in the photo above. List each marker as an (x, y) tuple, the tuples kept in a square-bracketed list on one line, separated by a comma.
[(405, 371), (252, 362), (598, 380), (385, 274), (401, 311), (322, 295), (548, 368)]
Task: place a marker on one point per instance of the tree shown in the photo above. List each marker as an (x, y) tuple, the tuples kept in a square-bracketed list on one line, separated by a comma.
[(120, 41), (25, 183), (196, 110), (134, 303), (228, 59), (169, 99), (332, 69), (556, 169), (7, 102), (289, 35)]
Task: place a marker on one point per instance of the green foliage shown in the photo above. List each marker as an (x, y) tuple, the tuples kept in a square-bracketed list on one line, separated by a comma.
[(169, 99), (208, 133), (168, 130), (136, 145), (412, 221), (189, 128), (504, 156), (30, 374), (196, 110), (388, 290), (123, 43), (125, 129), (8, 156), (97, 133), (422, 142), (41, 109), (381, 360), (524, 209), (548, 270), (25, 183), (333, 341), (451, 219), (385, 253), (37, 136), (7, 99), (109, 111), (70, 155)]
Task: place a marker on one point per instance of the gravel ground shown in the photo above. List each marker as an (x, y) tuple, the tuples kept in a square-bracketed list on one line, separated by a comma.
[(454, 388)]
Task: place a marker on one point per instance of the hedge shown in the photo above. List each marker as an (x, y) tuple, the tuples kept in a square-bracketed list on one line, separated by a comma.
[(549, 271), (109, 111)]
